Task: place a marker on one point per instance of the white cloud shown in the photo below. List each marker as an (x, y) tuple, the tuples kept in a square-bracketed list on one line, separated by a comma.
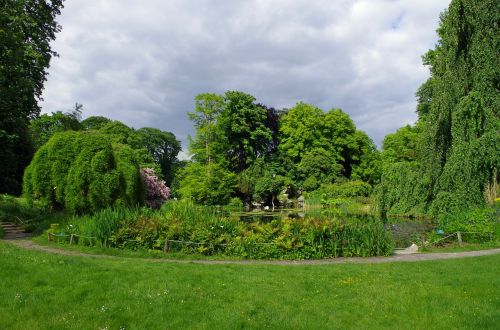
[(144, 62)]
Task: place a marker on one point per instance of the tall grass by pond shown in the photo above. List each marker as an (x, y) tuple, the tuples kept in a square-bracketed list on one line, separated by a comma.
[(191, 228)]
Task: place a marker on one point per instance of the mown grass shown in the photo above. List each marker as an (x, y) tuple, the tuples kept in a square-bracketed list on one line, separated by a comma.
[(455, 247), (42, 291)]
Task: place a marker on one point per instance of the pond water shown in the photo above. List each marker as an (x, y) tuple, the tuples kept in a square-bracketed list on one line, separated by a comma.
[(404, 230)]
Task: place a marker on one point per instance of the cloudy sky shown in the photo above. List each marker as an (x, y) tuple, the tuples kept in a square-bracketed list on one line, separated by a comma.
[(143, 62)]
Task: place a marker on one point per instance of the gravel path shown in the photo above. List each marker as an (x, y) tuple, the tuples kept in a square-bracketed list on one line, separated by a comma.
[(30, 245)]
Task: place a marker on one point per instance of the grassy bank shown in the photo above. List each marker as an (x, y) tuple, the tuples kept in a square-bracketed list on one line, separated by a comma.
[(38, 290)]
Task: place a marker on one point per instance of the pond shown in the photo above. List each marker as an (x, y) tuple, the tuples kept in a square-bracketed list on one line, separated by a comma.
[(404, 230)]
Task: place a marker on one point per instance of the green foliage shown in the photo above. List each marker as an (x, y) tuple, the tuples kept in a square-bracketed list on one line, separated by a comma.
[(101, 226), (207, 146), (270, 150), (119, 132), (402, 145), (456, 139), (33, 218), (233, 134), (366, 164), (209, 184), (316, 167), (243, 125), (269, 186), (94, 122), (346, 189), (206, 179), (300, 131), (27, 28), (342, 198), (45, 126), (477, 225), (235, 204), (263, 181), (148, 294), (325, 146), (204, 230), (16, 151), (16, 210), (83, 172), (402, 190), (162, 146)]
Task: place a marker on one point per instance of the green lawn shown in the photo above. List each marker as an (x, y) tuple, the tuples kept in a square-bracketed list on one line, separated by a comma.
[(43, 291)]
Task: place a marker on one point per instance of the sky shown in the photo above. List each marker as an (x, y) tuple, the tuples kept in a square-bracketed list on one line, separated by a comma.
[(143, 62)]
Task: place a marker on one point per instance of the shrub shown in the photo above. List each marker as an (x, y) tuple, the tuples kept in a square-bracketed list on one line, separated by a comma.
[(83, 172), (478, 225), (345, 189), (205, 230), (235, 203), (207, 184), (157, 192)]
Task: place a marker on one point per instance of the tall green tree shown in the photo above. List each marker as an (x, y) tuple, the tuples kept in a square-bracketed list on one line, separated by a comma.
[(161, 145), (243, 124), (94, 122), (206, 147), (26, 29), (459, 155), (402, 145), (206, 178), (119, 131), (300, 131), (325, 146), (45, 126)]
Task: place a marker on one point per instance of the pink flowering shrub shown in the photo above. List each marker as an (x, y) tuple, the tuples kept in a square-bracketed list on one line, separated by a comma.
[(157, 192)]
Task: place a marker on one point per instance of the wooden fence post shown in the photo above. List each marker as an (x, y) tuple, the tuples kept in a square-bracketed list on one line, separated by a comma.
[(459, 236), (165, 247)]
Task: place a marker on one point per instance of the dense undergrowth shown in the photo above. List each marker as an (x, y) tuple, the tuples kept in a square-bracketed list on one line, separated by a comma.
[(191, 229), (207, 231), (34, 218)]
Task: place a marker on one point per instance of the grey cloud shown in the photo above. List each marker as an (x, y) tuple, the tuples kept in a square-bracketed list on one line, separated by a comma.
[(143, 63)]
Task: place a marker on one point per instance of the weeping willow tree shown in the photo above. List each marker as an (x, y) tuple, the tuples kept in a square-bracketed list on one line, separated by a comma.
[(458, 162), (84, 172)]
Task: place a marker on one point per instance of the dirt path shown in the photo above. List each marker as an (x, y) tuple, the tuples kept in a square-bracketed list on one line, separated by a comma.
[(30, 245)]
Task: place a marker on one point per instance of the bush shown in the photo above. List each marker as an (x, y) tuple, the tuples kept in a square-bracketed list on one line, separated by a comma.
[(207, 184), (205, 230), (235, 203), (83, 172), (477, 225), (347, 189), (13, 209), (157, 192)]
